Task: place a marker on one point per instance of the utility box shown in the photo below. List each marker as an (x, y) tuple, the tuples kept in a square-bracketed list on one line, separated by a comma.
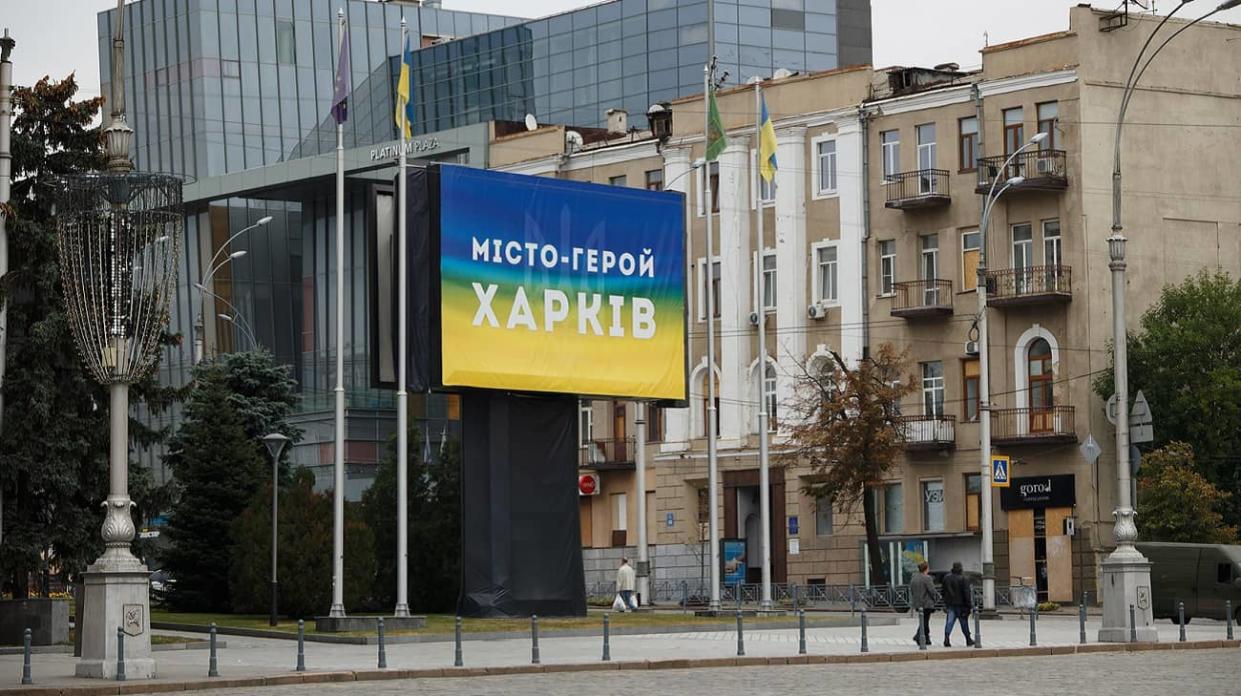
[(47, 619)]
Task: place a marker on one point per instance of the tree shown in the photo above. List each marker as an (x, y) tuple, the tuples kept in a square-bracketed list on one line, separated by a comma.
[(54, 445), (848, 432), (1179, 504), (434, 494), (1186, 358)]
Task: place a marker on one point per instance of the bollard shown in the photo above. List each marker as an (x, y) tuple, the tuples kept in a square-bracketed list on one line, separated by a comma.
[(607, 650), (801, 632), (921, 632), (793, 591), (684, 597), (213, 667), (301, 645), (1180, 616), (1033, 620), (864, 648), (1228, 618), (120, 654), (1081, 620), (1133, 626), (534, 635), (383, 656), (738, 596), (977, 625), (457, 661), (740, 636), (25, 658)]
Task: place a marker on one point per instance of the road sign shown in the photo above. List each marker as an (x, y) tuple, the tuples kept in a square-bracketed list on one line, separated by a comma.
[(1141, 412), (1141, 434), (1141, 420), (670, 520), (1090, 449), (794, 525), (1001, 466), (1111, 409)]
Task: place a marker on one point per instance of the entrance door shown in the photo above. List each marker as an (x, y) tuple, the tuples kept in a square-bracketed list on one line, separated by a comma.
[(1042, 417), (735, 481), (1059, 556)]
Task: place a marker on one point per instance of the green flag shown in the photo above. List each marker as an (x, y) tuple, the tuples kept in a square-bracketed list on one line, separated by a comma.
[(716, 139)]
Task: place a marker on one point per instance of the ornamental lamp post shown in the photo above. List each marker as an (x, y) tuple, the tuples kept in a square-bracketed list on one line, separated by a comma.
[(275, 445)]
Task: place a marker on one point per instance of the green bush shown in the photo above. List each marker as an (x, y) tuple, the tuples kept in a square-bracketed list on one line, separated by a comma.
[(1048, 606)]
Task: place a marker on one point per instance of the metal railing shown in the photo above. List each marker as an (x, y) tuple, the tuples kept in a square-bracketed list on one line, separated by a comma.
[(606, 451), (915, 187), (1034, 423), (928, 430), (1029, 282), (1039, 168), (914, 295), (692, 593)]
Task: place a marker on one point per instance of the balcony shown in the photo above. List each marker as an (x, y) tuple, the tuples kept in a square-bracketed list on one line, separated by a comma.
[(1029, 285), (928, 433), (924, 188), (1042, 170), (1028, 426), (917, 299), (607, 454)]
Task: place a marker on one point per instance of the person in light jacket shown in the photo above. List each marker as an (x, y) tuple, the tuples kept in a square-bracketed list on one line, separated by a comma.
[(625, 580), (922, 601)]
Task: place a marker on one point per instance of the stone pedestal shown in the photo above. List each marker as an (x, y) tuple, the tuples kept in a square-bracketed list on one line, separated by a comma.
[(116, 594), (1127, 582)]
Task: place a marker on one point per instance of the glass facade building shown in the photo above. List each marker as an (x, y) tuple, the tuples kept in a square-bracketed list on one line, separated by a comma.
[(223, 91)]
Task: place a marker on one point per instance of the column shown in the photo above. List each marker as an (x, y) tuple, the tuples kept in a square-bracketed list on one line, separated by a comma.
[(735, 291), (677, 174), (852, 232), (792, 290)]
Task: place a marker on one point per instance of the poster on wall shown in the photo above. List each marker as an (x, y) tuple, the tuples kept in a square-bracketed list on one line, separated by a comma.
[(558, 286), (732, 555)]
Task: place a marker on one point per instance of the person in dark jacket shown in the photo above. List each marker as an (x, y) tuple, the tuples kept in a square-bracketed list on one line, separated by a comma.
[(958, 599), (922, 601)]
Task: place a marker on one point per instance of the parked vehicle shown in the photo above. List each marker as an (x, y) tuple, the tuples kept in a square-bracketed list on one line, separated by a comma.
[(1203, 576)]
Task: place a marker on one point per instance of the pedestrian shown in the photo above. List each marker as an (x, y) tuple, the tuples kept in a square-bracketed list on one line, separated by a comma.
[(958, 599), (922, 601), (625, 584)]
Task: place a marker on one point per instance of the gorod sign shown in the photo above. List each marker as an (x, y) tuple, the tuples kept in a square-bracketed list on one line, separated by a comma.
[(1039, 492)]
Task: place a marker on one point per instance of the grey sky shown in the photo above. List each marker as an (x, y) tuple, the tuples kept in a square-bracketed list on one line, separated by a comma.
[(58, 36)]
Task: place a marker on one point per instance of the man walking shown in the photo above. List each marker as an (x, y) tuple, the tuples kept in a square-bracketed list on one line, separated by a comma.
[(958, 600), (922, 601), (625, 580)]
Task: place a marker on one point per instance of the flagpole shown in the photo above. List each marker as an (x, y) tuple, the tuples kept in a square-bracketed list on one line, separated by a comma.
[(402, 397), (338, 502), (764, 474), (713, 516)]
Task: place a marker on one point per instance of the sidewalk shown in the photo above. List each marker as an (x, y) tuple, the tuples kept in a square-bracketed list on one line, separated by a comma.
[(258, 658)]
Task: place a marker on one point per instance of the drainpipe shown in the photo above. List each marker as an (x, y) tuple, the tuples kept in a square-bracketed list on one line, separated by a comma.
[(864, 126)]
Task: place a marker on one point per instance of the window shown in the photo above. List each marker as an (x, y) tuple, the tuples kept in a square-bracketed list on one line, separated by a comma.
[(620, 518), (1014, 130), (926, 157), (1023, 257), (930, 256), (887, 267), (973, 501), (968, 150), (825, 273), (933, 506), (823, 517), (893, 509), (792, 20), (970, 387), (970, 241), (761, 189), (825, 155), (654, 423), (286, 53), (1041, 380), (769, 280), (933, 389), (1051, 243), (1048, 117), (891, 144), (1223, 573), (769, 394), (715, 188), (655, 180), (621, 180), (585, 422), (702, 288)]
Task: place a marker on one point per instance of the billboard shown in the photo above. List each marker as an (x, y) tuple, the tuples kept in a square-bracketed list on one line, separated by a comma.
[(558, 286)]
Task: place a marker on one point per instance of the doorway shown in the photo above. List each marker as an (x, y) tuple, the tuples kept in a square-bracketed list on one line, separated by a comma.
[(741, 505)]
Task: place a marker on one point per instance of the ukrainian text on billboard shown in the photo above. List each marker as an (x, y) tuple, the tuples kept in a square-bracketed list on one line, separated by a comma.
[(556, 286)]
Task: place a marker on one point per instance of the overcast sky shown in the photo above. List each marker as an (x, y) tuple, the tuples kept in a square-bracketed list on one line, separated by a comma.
[(906, 32)]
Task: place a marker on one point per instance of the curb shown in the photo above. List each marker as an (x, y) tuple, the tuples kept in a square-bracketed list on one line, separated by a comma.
[(117, 689)]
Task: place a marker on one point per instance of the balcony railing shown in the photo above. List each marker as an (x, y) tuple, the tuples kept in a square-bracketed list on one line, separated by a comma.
[(1029, 285), (928, 432), (924, 188), (1013, 426), (611, 453), (1042, 170), (922, 298)]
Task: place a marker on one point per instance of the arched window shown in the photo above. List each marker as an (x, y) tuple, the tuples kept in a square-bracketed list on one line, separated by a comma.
[(1041, 380)]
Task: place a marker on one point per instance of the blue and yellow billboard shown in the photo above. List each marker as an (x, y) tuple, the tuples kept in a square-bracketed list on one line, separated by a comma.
[(558, 286)]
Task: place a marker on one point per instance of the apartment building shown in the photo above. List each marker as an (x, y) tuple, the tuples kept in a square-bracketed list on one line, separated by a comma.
[(871, 236)]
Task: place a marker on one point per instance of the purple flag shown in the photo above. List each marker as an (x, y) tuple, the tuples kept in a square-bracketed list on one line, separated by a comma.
[(340, 99)]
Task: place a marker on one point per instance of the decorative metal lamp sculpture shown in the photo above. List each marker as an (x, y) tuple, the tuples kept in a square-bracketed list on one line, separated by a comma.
[(120, 238)]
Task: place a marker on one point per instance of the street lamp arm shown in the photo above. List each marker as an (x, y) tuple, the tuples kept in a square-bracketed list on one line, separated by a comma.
[(236, 312), (1134, 75), (241, 325), (262, 221), (991, 193), (1138, 77)]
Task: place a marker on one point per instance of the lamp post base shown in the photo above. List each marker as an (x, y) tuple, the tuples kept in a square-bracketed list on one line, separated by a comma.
[(116, 594), (1126, 583)]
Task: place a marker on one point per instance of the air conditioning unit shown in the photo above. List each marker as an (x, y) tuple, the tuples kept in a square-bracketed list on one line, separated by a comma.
[(1045, 166), (753, 318), (816, 311), (971, 347)]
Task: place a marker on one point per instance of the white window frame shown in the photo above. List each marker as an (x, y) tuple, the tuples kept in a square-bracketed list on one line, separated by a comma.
[(933, 390), (924, 487), (885, 257), (965, 233), (770, 284), (702, 185), (1058, 242), (883, 155), (1027, 243), (814, 273), (586, 416), (757, 183), (699, 282), (817, 193)]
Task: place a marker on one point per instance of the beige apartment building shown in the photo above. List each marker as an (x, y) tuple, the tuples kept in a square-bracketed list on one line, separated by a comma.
[(871, 236)]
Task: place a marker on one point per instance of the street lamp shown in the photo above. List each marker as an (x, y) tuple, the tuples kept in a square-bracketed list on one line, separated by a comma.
[(984, 359), (198, 325), (235, 317), (275, 444), (241, 325)]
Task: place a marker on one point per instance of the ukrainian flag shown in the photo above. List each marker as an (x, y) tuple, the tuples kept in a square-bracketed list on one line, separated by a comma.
[(766, 144), (404, 87)]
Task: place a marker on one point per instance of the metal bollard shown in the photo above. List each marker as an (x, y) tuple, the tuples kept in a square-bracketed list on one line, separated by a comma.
[(1228, 618), (977, 625), (301, 645), (383, 656), (25, 658), (684, 597), (120, 654), (607, 649), (801, 632), (213, 666), (921, 632), (740, 636), (864, 647), (793, 591), (457, 661), (1180, 616), (1133, 626), (1081, 620), (1033, 621), (534, 636)]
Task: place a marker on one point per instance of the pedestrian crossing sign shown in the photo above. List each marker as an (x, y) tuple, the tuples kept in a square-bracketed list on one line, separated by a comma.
[(1000, 469)]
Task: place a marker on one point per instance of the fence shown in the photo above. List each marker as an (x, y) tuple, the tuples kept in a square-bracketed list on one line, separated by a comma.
[(840, 597)]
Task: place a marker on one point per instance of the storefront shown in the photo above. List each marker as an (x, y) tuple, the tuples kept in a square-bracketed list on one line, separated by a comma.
[(1040, 542)]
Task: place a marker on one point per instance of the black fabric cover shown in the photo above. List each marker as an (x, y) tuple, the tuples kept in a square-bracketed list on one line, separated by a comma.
[(521, 547), (421, 202)]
